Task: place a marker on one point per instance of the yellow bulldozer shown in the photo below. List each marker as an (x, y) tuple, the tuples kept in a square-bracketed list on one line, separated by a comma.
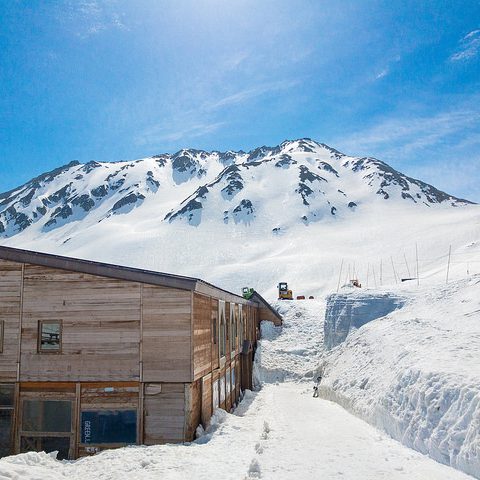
[(283, 292)]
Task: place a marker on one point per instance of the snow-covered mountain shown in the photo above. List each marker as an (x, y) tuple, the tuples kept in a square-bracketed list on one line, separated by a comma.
[(293, 211), (296, 181)]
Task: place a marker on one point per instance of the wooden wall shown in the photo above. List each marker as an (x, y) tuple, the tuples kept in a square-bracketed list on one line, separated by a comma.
[(267, 314), (166, 341), (100, 326), (10, 305), (102, 323), (202, 335), (207, 408), (193, 408), (164, 410)]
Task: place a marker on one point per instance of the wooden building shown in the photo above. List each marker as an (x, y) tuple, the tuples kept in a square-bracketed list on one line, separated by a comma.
[(96, 356)]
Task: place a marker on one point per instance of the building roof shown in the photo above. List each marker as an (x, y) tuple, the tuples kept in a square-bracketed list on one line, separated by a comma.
[(125, 273)]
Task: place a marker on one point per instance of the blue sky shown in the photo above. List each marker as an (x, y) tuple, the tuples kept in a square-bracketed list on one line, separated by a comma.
[(110, 80)]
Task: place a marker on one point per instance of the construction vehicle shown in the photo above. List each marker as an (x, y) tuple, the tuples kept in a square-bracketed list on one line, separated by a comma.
[(247, 292), (283, 292)]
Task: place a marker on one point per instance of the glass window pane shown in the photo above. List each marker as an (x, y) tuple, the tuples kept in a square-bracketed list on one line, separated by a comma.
[(5, 432), (46, 444), (50, 336), (228, 382), (6, 395), (215, 394), (109, 426), (47, 416), (222, 389)]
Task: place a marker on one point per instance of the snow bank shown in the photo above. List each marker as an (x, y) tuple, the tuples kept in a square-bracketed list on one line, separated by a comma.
[(292, 351), (351, 310), (416, 373)]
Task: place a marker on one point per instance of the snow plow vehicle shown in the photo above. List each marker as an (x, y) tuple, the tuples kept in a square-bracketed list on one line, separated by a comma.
[(247, 292), (283, 292)]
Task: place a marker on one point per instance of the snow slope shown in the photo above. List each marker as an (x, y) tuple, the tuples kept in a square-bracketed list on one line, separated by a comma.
[(290, 212), (416, 372)]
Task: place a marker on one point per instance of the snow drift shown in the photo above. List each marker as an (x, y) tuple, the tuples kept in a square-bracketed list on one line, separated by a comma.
[(415, 373)]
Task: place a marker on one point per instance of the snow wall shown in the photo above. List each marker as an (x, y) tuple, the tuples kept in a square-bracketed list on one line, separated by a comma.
[(347, 311), (413, 373)]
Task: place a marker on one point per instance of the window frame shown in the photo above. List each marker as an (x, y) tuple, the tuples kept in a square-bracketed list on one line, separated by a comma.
[(60, 337), (10, 408), (22, 433)]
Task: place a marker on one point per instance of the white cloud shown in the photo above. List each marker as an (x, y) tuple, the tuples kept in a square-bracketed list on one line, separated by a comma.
[(469, 47)]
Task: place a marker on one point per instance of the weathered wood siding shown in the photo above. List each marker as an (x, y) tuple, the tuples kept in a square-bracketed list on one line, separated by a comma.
[(266, 314), (164, 413), (166, 342), (206, 399), (193, 408), (100, 326), (10, 304), (202, 336)]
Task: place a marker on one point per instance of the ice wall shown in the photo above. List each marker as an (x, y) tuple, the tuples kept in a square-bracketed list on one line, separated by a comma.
[(347, 311)]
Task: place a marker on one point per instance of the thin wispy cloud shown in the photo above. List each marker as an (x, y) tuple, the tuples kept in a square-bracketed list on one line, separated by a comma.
[(184, 125), (161, 133), (382, 74), (469, 47), (460, 178), (404, 135), (249, 93), (87, 18), (441, 149)]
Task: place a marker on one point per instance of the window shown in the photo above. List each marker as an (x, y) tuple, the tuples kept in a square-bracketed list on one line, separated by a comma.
[(2, 329), (215, 394), (6, 418), (46, 444), (228, 382), (242, 329), (47, 416), (232, 327), (47, 425), (222, 389), (49, 336), (109, 427), (222, 330)]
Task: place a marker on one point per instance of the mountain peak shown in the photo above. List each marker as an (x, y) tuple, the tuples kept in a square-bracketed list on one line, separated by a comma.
[(316, 181)]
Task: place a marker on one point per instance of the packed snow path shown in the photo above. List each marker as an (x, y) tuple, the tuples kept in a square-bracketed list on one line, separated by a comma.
[(281, 432)]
